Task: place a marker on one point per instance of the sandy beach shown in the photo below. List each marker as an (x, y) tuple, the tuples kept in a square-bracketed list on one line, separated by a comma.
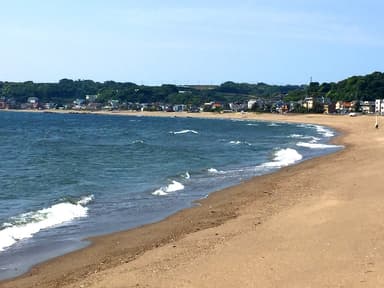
[(315, 224)]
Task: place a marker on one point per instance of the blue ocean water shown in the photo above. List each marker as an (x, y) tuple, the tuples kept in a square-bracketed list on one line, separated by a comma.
[(65, 177)]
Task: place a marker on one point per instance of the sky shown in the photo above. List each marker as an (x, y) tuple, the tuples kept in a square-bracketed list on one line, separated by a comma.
[(190, 42)]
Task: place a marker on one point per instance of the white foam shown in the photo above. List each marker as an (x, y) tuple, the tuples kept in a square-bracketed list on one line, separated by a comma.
[(314, 139), (273, 124), (86, 200), (187, 175), (300, 136), (27, 224), (316, 145), (159, 192), (284, 157), (324, 131), (239, 142), (185, 131), (296, 136), (172, 187), (303, 125), (215, 171)]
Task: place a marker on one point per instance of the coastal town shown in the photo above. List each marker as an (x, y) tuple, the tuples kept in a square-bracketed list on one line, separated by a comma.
[(357, 94), (274, 105)]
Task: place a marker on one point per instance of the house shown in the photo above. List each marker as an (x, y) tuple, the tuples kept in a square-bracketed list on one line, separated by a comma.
[(93, 106), (367, 107), (212, 106), (194, 109), (144, 107), (317, 104), (326, 105), (49, 105), (329, 108), (343, 107), (260, 104), (114, 104), (78, 104), (33, 102), (379, 106), (237, 107), (339, 106), (217, 105), (179, 108), (207, 106), (309, 103), (151, 107), (280, 107), (251, 104), (133, 106)]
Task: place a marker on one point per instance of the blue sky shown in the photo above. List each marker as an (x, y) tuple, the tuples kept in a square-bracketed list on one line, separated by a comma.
[(190, 42)]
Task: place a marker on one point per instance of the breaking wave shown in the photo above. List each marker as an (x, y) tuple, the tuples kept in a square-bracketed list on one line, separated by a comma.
[(240, 142), (284, 157), (27, 224), (316, 145), (172, 187), (184, 132), (215, 171), (324, 131), (296, 136)]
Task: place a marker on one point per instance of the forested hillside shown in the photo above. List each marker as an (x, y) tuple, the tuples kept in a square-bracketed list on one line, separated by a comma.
[(367, 87)]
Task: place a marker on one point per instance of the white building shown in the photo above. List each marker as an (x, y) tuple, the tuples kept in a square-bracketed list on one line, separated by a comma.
[(379, 106), (251, 103), (309, 103)]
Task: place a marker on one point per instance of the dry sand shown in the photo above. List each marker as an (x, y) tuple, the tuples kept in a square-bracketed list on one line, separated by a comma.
[(316, 224)]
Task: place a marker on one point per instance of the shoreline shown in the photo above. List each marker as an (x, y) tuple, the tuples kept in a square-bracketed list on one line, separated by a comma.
[(222, 207)]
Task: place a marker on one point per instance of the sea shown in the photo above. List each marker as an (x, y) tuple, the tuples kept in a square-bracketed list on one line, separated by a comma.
[(66, 177)]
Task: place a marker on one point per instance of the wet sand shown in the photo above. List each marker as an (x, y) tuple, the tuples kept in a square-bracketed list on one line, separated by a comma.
[(315, 224)]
